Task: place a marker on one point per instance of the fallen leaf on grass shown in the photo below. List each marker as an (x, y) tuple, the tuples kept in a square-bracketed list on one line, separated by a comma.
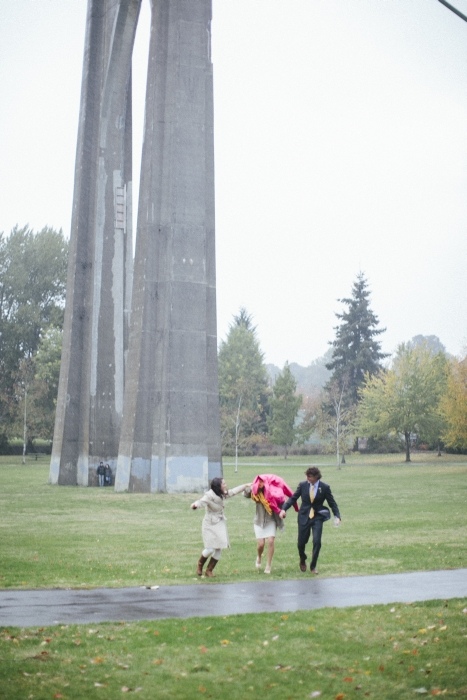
[(43, 656), (126, 689)]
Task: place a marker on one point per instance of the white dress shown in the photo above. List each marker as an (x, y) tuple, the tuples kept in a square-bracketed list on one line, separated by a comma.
[(265, 525)]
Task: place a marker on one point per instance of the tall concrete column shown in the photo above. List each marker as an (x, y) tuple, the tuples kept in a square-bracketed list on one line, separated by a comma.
[(90, 397), (170, 436)]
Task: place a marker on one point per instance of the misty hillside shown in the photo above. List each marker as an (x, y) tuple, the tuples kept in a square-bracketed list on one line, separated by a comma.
[(309, 379), (312, 378)]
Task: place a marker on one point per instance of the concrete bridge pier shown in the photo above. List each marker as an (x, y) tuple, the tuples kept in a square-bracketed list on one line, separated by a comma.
[(90, 396), (170, 436)]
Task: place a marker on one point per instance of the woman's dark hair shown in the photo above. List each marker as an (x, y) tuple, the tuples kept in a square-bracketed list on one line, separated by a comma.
[(216, 486)]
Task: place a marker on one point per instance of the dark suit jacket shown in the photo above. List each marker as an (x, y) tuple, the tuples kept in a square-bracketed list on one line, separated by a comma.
[(324, 494)]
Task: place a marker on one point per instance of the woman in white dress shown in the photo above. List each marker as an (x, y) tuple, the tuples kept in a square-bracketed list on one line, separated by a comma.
[(214, 528), (269, 492)]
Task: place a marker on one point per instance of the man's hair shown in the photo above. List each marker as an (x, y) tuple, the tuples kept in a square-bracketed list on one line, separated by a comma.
[(313, 471)]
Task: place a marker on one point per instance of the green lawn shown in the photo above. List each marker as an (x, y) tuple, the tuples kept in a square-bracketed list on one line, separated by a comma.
[(382, 652), (396, 517)]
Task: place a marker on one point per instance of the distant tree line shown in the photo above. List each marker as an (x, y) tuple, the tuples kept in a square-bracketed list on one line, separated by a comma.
[(418, 400), (351, 398)]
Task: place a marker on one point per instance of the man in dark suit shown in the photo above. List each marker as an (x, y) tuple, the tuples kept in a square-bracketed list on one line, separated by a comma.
[(312, 514)]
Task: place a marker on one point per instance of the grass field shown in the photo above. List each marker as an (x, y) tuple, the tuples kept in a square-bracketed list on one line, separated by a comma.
[(396, 517)]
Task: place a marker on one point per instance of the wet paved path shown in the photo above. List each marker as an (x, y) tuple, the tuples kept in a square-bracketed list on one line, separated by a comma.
[(68, 606)]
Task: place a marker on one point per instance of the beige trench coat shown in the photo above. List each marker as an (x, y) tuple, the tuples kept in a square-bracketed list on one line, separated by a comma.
[(214, 528)]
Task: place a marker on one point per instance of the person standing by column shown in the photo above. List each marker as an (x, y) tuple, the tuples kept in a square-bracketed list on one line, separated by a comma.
[(100, 473), (107, 475), (312, 514), (214, 528)]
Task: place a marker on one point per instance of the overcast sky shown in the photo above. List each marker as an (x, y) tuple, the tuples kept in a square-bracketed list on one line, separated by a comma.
[(340, 146)]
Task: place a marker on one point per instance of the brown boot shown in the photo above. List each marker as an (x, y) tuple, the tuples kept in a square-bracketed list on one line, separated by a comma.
[(202, 561), (211, 566)]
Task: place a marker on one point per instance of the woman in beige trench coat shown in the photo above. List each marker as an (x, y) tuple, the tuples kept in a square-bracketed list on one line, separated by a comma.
[(214, 528)]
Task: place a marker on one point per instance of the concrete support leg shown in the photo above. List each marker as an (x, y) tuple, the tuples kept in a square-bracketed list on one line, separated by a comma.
[(170, 436), (90, 397)]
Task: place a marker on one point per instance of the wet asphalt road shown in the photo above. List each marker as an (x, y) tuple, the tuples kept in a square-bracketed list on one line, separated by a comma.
[(38, 608)]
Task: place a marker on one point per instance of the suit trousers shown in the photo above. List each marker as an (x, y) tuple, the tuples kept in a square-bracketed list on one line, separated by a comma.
[(315, 526)]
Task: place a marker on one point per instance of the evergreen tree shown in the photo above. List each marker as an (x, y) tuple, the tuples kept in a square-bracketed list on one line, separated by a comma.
[(356, 352), (243, 386), (285, 405)]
